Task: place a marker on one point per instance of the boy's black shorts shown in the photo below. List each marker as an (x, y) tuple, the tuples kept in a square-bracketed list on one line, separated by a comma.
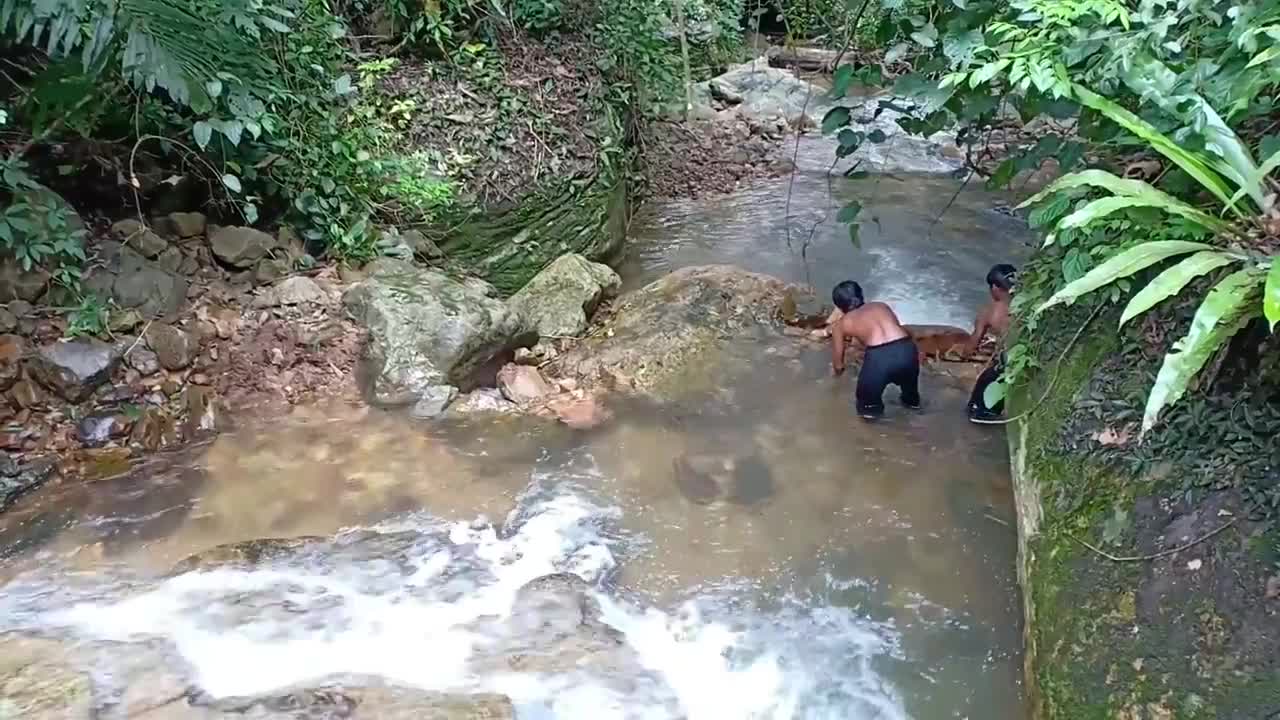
[(896, 362)]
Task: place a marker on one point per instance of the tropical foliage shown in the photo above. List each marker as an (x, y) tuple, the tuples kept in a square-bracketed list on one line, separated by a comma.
[(1192, 82)]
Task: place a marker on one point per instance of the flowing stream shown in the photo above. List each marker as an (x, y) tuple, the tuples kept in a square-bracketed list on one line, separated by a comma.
[(850, 571)]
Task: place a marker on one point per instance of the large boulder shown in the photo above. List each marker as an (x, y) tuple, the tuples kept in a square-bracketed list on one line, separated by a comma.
[(75, 368), (558, 300), (426, 329), (759, 93), (666, 327), (240, 247)]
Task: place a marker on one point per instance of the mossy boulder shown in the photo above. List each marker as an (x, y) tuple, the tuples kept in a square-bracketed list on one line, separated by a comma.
[(427, 330), (558, 300)]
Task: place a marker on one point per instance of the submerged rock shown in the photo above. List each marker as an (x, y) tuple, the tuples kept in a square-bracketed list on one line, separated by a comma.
[(558, 301), (664, 328), (75, 368), (245, 554), (427, 329), (434, 401), (39, 680)]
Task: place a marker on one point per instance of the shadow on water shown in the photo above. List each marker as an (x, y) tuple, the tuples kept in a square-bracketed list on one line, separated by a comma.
[(762, 500)]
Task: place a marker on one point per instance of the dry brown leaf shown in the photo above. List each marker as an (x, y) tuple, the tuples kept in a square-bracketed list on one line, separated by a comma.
[(1112, 436)]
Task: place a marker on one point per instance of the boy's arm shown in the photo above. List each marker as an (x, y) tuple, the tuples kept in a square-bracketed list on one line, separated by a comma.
[(980, 325), (837, 348)]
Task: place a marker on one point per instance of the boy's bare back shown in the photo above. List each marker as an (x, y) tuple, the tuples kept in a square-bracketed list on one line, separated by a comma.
[(872, 324)]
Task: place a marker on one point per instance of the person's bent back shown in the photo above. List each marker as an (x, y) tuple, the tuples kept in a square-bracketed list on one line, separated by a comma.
[(891, 355)]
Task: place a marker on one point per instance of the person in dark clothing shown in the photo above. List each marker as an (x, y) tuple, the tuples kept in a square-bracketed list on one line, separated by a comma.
[(992, 321), (890, 357)]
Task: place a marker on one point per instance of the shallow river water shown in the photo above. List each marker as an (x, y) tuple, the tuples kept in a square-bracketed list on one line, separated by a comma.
[(845, 571)]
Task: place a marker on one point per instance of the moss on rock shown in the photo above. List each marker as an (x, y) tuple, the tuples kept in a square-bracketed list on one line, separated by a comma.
[(1181, 635)]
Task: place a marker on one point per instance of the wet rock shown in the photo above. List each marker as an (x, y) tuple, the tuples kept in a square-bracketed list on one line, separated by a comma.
[(483, 400), (28, 477), (434, 401), (75, 368), (139, 237), (19, 284), (297, 290), (247, 554), (240, 247), (8, 321), (97, 429), (580, 413), (185, 224), (268, 270), (525, 356), (12, 350), (678, 323), (143, 360), (8, 466), (427, 329), (558, 300), (174, 348), (40, 681), (522, 384)]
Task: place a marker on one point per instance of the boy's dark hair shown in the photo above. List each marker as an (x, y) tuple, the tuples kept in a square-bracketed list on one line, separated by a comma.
[(1002, 276), (847, 296)]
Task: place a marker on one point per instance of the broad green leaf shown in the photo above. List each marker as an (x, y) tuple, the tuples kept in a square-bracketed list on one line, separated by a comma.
[(849, 212), (1263, 171), (1227, 307), (232, 182), (986, 72), (1171, 281), (1271, 295), (836, 117), (1194, 165), (994, 393), (203, 133), (1155, 82), (841, 80), (1104, 207), (1265, 56), (1122, 265), (1148, 193)]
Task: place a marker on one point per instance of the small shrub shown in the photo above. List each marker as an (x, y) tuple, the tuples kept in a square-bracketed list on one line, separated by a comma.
[(537, 16)]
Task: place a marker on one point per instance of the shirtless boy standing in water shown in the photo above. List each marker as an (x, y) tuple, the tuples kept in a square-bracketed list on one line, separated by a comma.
[(992, 320), (890, 357)]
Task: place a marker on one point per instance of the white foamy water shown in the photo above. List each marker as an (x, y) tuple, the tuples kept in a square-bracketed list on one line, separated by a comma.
[(417, 604)]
